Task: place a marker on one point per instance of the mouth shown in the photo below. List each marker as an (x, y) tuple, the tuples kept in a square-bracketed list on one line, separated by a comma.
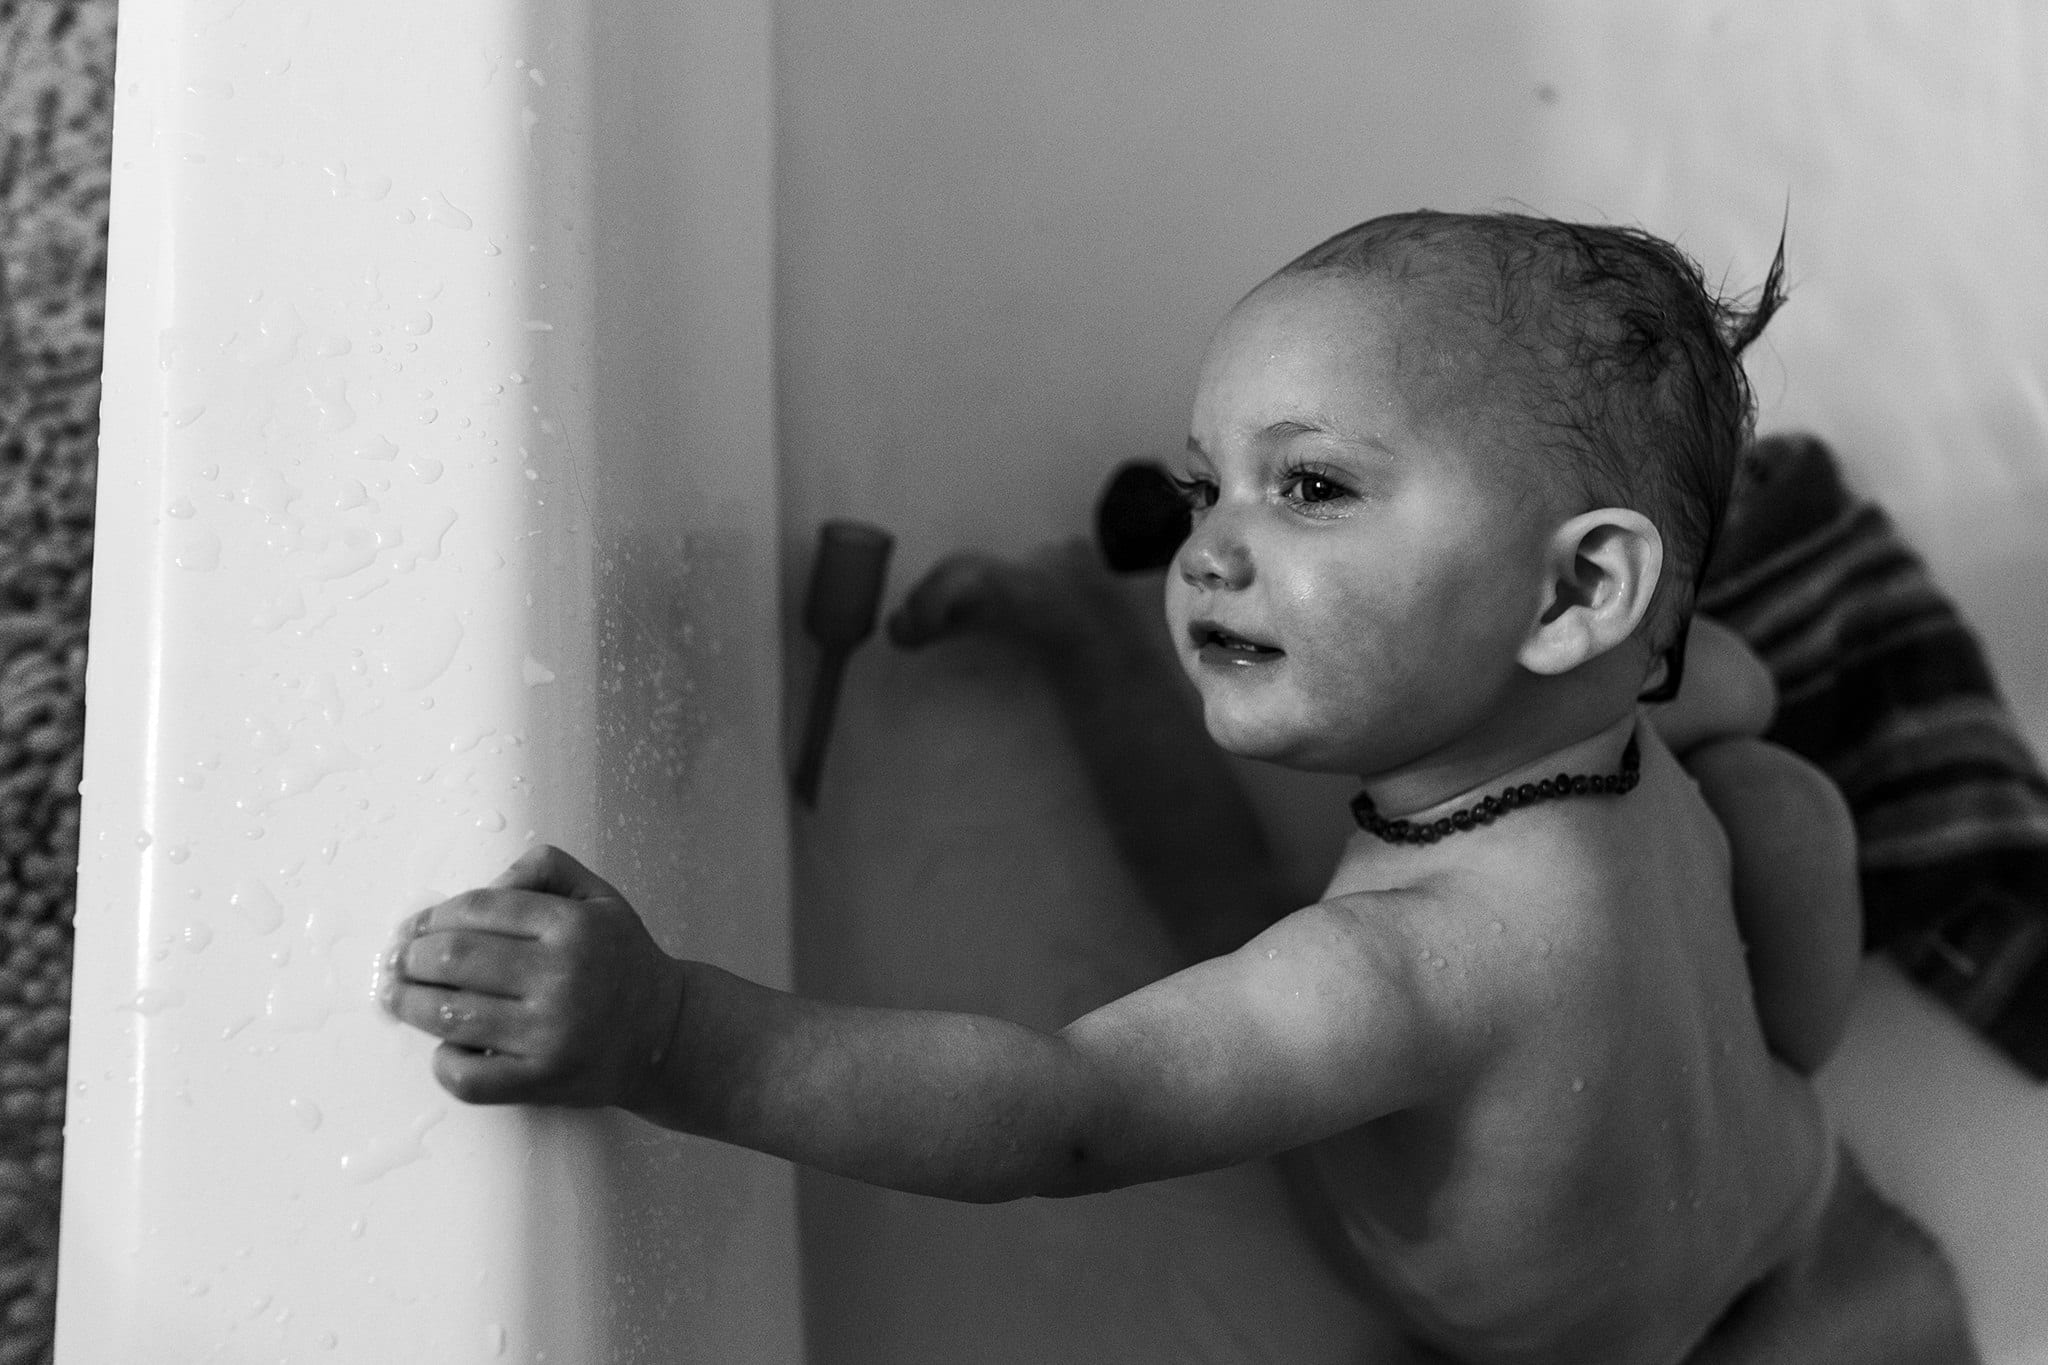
[(1224, 648)]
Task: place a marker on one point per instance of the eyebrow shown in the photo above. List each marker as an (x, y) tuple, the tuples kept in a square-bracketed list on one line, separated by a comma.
[(1315, 425), (1318, 424)]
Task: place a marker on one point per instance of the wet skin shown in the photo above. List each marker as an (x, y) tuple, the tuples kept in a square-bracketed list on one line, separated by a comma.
[(1608, 1153), (1576, 1153), (1596, 1151)]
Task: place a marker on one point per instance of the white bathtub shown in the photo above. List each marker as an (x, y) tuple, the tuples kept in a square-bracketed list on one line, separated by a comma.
[(507, 266), (369, 613)]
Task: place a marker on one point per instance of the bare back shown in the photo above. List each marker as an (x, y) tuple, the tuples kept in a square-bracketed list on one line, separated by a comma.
[(1623, 1157)]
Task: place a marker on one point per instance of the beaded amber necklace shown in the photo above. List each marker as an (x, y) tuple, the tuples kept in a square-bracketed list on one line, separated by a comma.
[(1486, 811)]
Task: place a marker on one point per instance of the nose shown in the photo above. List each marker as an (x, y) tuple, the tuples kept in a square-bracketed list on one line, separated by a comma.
[(1214, 556)]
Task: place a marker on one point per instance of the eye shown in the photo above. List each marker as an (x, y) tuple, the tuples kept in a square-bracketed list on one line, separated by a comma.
[(1198, 494), (1312, 486)]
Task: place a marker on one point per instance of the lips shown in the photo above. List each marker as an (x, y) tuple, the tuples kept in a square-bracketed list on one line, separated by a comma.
[(1217, 645)]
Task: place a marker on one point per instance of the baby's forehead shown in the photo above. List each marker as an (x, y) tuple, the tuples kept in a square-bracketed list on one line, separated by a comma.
[(1430, 333)]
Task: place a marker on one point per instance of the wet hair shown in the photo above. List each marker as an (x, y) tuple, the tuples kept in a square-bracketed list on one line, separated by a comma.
[(1608, 339)]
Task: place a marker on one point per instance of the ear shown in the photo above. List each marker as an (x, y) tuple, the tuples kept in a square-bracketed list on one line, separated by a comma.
[(1601, 571)]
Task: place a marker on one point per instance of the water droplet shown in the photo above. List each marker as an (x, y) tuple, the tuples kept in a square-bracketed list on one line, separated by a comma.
[(289, 605), (197, 935), (257, 910), (421, 646), (1499, 928), (495, 1339), (537, 673), (1436, 962), (185, 416), (376, 448), (386, 1154), (440, 211), (539, 325), (354, 549), (328, 1340), (267, 491), (325, 693), (468, 738), (491, 249), (330, 400), (155, 1000), (1578, 1084), (426, 471), (1543, 947), (357, 1228), (306, 1113), (303, 772), (277, 336), (182, 508), (419, 324), (142, 840)]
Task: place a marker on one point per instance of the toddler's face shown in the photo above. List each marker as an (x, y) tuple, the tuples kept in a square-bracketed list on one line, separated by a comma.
[(1366, 557)]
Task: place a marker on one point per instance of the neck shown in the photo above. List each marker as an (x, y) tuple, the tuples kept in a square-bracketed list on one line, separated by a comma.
[(1501, 753)]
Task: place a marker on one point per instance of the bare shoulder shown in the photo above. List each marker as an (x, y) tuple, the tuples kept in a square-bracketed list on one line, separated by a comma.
[(1428, 959), (1548, 900)]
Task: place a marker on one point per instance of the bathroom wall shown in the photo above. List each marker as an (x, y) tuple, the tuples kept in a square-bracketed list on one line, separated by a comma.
[(1003, 234)]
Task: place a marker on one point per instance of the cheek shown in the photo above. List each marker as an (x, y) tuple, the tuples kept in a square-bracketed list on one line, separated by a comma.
[(1418, 635)]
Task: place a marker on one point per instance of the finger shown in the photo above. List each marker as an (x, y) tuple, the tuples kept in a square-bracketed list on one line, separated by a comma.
[(488, 963), (953, 596), (548, 869), (464, 1018), (491, 910), (480, 1077)]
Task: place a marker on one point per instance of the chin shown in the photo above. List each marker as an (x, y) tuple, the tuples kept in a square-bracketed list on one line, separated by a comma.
[(1249, 737)]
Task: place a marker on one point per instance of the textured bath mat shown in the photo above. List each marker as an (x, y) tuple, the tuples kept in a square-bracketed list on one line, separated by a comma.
[(56, 88)]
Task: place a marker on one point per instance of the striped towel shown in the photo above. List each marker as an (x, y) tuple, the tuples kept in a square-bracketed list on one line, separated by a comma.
[(1885, 688)]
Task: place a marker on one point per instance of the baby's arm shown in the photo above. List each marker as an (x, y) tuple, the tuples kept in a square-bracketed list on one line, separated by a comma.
[(1793, 846), (1791, 840), (1728, 691), (545, 988)]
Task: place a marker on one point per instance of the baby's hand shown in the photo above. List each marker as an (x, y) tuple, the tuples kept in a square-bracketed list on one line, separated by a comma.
[(544, 987), (1042, 600)]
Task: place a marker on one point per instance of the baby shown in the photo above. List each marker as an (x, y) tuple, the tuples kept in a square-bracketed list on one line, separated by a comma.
[(1454, 480)]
